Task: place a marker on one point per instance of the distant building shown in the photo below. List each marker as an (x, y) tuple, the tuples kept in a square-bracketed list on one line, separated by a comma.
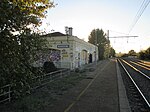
[(70, 51)]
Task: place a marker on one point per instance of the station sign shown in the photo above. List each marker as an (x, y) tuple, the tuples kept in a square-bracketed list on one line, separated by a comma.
[(62, 46)]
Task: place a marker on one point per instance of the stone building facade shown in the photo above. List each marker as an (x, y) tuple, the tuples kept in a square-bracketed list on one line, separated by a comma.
[(74, 52)]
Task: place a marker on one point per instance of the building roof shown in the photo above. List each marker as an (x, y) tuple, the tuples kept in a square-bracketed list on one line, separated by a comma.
[(55, 34)]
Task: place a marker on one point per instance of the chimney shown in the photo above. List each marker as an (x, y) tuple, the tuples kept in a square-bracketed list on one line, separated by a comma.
[(68, 30)]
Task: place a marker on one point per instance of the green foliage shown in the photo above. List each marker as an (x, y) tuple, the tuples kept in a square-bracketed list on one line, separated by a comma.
[(121, 54), (124, 55), (49, 67), (34, 7), (44, 97), (132, 53), (112, 52), (18, 43), (98, 38), (145, 55)]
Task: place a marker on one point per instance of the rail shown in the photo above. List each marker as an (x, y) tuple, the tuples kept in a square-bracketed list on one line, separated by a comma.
[(136, 69), (147, 62), (148, 104)]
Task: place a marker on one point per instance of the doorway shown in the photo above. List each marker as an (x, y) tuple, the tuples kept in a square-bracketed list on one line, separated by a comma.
[(90, 58)]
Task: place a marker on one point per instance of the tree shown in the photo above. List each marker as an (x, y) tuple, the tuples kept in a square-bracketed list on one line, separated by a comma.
[(145, 54), (112, 52), (18, 42), (98, 38), (141, 55), (131, 53), (107, 51)]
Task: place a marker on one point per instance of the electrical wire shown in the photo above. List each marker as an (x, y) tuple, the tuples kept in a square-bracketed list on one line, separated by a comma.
[(144, 4), (118, 32)]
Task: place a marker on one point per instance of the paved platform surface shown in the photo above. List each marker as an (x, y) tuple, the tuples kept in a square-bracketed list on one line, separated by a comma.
[(98, 93)]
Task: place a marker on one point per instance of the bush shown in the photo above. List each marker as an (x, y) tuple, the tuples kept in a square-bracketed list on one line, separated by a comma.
[(49, 67)]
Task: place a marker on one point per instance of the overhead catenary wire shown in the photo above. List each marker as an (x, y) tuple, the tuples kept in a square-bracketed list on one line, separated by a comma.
[(118, 32), (144, 4), (123, 36)]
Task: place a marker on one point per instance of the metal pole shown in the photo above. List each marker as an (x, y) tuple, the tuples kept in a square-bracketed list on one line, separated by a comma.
[(108, 44), (95, 48), (108, 34)]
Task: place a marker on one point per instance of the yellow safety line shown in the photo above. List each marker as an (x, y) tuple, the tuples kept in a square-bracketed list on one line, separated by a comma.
[(140, 65), (83, 91)]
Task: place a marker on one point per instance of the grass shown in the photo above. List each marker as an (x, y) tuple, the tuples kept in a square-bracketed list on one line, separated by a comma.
[(45, 96)]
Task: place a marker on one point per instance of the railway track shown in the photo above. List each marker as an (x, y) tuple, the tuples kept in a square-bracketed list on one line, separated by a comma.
[(144, 67), (136, 78)]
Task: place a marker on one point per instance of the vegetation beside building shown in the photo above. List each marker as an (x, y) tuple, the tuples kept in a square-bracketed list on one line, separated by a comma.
[(99, 38), (19, 42)]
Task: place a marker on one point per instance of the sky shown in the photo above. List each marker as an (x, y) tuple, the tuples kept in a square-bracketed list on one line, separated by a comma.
[(117, 16)]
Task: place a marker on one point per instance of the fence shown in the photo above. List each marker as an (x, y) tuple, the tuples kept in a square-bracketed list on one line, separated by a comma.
[(44, 79), (5, 91)]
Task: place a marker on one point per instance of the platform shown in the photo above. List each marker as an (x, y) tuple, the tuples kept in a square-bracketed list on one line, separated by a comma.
[(102, 91)]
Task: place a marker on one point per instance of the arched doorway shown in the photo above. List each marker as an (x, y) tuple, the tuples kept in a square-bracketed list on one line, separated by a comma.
[(84, 57), (90, 58)]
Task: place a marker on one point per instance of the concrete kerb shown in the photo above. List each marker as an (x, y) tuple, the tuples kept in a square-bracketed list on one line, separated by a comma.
[(123, 100)]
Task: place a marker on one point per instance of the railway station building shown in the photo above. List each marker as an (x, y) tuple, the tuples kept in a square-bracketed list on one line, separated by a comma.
[(68, 51)]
